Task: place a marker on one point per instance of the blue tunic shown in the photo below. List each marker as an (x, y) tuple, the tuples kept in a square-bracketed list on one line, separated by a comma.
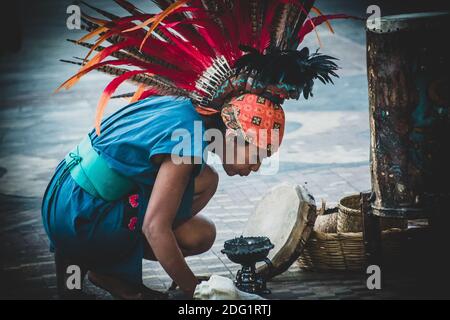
[(107, 235)]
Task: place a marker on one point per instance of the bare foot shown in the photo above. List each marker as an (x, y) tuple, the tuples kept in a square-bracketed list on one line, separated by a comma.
[(123, 290)]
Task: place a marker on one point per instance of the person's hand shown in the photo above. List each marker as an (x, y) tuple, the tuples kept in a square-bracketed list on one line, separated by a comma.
[(175, 294), (174, 285)]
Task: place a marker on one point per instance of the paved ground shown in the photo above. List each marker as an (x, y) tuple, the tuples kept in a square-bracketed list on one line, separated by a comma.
[(326, 148)]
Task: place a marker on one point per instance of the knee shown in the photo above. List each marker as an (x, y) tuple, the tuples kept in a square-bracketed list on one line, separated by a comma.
[(210, 235), (206, 237)]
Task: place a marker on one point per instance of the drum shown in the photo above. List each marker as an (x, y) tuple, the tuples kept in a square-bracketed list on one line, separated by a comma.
[(407, 67), (286, 215)]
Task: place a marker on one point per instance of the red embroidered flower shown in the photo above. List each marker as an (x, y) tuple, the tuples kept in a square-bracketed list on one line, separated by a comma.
[(132, 224), (133, 200)]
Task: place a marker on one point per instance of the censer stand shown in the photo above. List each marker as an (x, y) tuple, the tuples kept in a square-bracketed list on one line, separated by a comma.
[(248, 280)]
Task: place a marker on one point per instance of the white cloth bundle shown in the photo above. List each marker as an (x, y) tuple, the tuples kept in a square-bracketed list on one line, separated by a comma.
[(221, 288)]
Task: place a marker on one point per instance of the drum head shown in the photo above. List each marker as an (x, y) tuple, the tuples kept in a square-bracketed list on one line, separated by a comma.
[(285, 215)]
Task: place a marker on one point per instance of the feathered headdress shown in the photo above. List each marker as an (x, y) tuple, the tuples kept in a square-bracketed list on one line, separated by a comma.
[(206, 50)]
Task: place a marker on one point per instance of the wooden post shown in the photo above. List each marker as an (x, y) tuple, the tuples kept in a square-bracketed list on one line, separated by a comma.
[(407, 70)]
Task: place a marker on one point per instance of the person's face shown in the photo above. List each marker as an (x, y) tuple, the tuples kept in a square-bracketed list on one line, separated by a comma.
[(244, 159)]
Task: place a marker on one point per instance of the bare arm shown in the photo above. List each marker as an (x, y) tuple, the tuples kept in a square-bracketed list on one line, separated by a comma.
[(163, 205)]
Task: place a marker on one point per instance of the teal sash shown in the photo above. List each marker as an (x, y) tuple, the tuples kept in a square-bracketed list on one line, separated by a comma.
[(93, 175)]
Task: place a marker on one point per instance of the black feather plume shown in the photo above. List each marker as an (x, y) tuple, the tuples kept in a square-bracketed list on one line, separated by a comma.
[(295, 68)]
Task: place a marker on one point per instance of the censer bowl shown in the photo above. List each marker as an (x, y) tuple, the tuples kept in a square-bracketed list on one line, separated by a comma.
[(247, 250)]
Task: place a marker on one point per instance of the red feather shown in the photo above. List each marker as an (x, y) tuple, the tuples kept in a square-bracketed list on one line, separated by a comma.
[(264, 41), (196, 58), (149, 93), (108, 92)]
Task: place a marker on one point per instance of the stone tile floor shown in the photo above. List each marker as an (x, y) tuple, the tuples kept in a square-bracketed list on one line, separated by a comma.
[(326, 147)]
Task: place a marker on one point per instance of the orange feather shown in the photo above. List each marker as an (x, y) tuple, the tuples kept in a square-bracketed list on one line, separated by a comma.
[(100, 110), (142, 25), (84, 69), (72, 80), (160, 17), (96, 45), (93, 33), (138, 93)]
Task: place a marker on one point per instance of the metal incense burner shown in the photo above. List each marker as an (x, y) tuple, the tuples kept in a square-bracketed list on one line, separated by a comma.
[(247, 251)]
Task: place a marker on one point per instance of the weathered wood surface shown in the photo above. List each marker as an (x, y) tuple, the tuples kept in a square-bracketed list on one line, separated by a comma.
[(409, 115)]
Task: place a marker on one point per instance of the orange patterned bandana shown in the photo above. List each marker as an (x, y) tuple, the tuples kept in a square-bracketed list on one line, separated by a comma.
[(257, 119)]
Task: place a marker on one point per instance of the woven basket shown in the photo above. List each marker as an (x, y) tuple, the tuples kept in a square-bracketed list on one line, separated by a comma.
[(350, 218), (345, 251), (326, 223)]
